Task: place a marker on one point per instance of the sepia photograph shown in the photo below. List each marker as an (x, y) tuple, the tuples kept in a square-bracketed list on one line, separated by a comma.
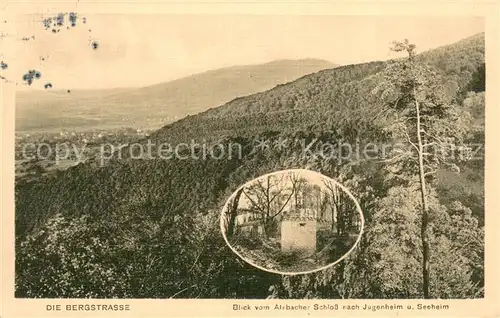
[(292, 222), (247, 156), (117, 198)]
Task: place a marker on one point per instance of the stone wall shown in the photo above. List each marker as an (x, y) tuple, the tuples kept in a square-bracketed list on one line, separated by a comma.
[(298, 236)]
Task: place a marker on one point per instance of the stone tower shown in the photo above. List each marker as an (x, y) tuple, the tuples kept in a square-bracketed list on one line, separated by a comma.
[(298, 234)]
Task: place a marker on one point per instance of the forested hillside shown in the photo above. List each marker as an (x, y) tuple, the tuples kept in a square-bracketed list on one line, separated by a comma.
[(150, 227)]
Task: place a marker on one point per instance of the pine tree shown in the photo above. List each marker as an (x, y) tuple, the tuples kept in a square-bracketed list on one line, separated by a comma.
[(427, 123)]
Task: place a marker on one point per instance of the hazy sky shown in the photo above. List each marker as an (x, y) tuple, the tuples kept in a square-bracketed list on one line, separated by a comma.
[(137, 50)]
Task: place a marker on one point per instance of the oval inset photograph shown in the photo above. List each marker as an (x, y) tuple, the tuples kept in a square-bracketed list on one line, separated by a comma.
[(292, 222)]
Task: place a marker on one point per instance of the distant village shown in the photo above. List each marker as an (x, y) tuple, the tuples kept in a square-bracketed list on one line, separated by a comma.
[(33, 160), (81, 136)]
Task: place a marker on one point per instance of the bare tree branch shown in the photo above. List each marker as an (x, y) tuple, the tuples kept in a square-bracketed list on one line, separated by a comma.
[(411, 143), (254, 204), (181, 291)]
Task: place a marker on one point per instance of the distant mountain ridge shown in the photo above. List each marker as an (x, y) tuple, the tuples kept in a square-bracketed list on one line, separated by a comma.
[(338, 97), (152, 218), (155, 105)]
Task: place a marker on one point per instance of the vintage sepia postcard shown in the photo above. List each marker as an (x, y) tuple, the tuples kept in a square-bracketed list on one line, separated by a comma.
[(249, 159)]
